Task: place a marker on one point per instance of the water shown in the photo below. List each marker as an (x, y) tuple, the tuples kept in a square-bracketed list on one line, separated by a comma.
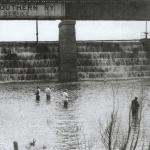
[(96, 60), (29, 61), (115, 59), (23, 119)]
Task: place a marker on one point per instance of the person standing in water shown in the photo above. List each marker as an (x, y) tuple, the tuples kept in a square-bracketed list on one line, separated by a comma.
[(135, 106), (37, 93), (65, 98), (48, 93)]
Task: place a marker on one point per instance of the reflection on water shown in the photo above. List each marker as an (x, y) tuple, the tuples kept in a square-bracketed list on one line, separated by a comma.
[(67, 119), (38, 101), (48, 101), (23, 118), (135, 127), (135, 121)]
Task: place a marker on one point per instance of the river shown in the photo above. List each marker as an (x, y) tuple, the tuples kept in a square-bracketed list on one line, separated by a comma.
[(77, 127)]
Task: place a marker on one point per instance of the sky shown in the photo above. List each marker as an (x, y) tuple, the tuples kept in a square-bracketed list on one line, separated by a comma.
[(85, 30)]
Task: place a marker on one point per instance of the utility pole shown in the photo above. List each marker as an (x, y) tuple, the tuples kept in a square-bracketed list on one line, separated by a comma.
[(146, 33), (37, 31)]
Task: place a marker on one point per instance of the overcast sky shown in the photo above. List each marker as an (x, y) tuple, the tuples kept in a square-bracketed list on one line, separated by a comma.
[(85, 30)]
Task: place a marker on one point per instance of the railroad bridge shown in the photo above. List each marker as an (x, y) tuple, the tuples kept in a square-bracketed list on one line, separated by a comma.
[(68, 11)]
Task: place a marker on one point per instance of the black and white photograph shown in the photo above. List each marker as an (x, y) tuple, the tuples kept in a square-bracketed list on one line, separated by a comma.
[(74, 74)]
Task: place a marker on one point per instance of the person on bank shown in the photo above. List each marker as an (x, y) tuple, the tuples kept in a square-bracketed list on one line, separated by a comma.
[(135, 106), (65, 98), (37, 93), (48, 93)]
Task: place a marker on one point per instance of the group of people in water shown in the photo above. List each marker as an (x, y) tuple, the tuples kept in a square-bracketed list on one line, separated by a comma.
[(48, 95), (134, 105)]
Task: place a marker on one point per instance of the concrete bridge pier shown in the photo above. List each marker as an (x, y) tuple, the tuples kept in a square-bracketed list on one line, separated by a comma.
[(67, 51)]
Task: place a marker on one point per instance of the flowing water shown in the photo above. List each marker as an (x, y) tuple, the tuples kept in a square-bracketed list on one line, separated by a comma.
[(23, 119), (96, 60), (29, 61), (114, 59)]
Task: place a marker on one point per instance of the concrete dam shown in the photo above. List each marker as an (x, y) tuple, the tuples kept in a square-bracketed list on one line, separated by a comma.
[(95, 60)]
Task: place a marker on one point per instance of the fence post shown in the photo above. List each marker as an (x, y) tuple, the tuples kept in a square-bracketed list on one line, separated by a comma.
[(15, 145)]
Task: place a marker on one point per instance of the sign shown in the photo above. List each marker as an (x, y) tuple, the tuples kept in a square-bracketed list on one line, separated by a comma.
[(32, 11)]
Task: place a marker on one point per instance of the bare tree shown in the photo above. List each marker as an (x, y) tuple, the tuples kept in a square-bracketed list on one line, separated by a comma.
[(131, 139), (110, 136)]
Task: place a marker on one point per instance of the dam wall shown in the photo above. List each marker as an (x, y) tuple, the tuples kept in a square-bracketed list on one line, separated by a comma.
[(113, 60), (96, 60), (29, 61)]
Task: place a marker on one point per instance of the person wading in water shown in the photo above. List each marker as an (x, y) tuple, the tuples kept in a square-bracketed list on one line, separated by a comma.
[(65, 98), (48, 93), (135, 106), (37, 93)]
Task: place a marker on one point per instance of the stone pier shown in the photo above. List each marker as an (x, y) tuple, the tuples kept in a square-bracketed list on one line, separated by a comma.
[(67, 51)]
